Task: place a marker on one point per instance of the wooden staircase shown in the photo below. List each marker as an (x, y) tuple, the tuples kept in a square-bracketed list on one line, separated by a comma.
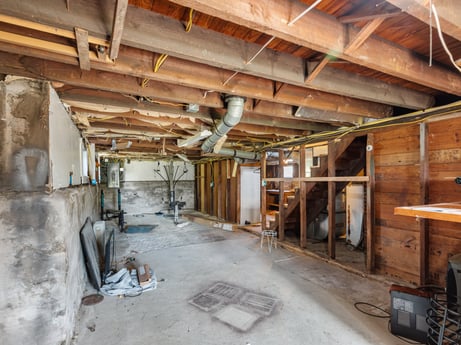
[(349, 161)]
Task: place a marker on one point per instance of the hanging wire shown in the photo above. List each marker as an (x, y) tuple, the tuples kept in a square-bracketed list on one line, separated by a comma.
[(442, 40), (189, 22), (430, 34)]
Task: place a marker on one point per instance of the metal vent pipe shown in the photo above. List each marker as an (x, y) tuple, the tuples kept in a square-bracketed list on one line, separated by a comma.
[(233, 115), (232, 118)]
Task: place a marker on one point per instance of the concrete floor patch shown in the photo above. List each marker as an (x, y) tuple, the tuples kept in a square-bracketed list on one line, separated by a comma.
[(235, 317)]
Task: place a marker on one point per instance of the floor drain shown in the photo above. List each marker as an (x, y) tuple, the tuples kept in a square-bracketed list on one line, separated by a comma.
[(225, 290), (259, 303), (205, 302), (235, 306)]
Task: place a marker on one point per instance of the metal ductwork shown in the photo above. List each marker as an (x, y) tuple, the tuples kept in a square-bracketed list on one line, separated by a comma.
[(240, 154), (232, 118)]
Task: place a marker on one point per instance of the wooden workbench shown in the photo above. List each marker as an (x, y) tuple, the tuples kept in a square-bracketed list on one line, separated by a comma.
[(450, 212)]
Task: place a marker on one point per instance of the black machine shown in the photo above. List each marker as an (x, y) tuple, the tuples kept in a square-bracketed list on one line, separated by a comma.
[(408, 312)]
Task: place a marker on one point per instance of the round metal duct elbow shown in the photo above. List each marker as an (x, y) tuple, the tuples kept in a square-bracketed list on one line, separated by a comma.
[(233, 115)]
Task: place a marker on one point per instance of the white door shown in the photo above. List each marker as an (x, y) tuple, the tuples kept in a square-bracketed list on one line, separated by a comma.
[(250, 199)]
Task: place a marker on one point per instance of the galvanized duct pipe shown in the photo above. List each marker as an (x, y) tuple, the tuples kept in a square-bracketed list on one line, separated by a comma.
[(232, 118), (240, 154)]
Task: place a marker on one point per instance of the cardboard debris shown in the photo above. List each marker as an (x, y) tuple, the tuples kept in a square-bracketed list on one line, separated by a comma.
[(144, 275)]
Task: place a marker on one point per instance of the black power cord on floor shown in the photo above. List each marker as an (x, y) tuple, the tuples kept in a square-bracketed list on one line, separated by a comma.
[(384, 315)]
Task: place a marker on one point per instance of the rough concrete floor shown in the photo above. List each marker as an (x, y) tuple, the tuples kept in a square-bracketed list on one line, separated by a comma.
[(315, 300)]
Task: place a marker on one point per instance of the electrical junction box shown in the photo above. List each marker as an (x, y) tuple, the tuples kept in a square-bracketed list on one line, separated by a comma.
[(408, 312)]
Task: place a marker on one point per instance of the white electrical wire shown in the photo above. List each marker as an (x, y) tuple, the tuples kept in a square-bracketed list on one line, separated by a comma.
[(442, 40), (430, 34)]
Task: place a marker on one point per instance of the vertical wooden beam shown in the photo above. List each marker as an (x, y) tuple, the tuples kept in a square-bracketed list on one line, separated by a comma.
[(83, 48), (234, 192), (281, 195), (281, 211), (238, 177), (302, 198), (331, 200), (216, 182), (263, 190), (202, 194), (370, 222), (208, 189), (223, 190), (117, 27), (424, 196)]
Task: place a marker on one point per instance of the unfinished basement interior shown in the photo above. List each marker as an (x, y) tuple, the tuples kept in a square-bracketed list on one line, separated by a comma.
[(242, 172)]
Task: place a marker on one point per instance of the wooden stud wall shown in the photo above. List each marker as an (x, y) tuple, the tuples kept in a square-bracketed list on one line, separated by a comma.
[(397, 183), (218, 190), (444, 151)]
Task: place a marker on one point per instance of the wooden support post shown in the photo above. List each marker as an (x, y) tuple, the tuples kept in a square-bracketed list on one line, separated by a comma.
[(331, 200), (302, 198), (223, 190), (370, 216), (263, 191), (202, 193), (281, 219), (234, 193), (208, 189), (281, 211), (215, 191), (83, 48), (424, 189)]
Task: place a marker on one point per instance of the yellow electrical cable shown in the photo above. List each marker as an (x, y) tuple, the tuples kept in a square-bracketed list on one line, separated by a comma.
[(160, 62), (145, 82), (189, 23)]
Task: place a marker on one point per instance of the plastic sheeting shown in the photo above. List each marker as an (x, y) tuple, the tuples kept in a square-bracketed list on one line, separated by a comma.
[(125, 283)]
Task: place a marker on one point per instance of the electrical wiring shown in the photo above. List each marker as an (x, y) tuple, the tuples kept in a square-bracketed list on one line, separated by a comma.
[(407, 119), (160, 62), (442, 40), (384, 315), (189, 22)]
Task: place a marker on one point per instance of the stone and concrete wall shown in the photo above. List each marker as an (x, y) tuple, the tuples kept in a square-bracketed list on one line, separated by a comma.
[(42, 264), (24, 134), (144, 191), (43, 272)]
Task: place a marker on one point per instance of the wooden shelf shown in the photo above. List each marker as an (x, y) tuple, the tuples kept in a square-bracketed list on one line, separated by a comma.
[(450, 212)]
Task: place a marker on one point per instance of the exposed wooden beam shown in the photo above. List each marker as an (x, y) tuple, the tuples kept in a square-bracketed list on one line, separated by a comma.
[(332, 200), (49, 29), (326, 34), (370, 204), (423, 200), (448, 11), (165, 35), (247, 86), (359, 18), (83, 48), (317, 69), (117, 27), (362, 35)]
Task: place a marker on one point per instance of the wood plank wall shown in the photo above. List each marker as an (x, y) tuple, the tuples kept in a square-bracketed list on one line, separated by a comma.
[(397, 163), (397, 184), (444, 166)]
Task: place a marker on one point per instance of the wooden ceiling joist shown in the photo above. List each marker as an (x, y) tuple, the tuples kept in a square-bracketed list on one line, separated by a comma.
[(326, 34), (251, 87), (165, 35), (117, 27), (450, 20)]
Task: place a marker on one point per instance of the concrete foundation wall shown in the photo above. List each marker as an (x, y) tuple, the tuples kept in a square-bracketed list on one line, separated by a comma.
[(24, 134), (148, 196), (42, 264)]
